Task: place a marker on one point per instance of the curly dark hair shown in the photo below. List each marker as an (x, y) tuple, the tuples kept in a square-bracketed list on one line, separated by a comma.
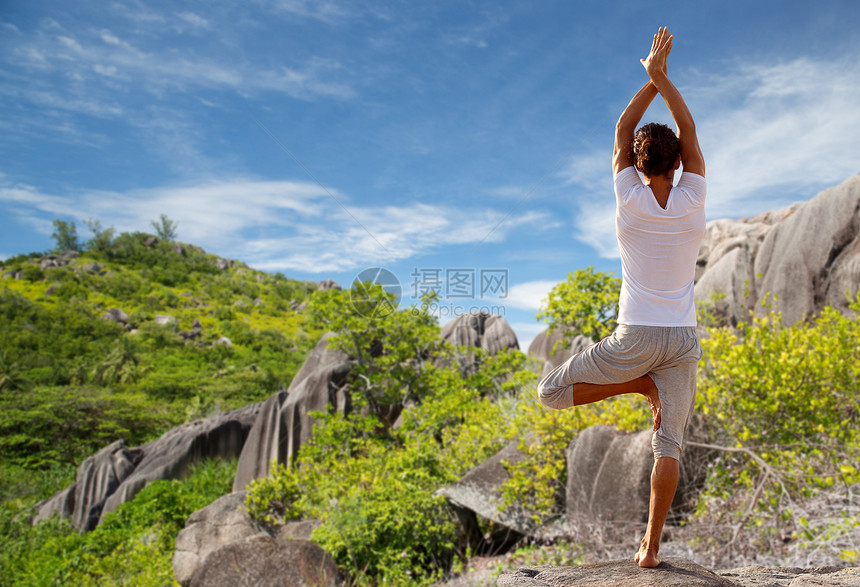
[(656, 149)]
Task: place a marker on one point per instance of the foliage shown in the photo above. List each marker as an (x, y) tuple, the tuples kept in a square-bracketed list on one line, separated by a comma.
[(373, 486), (781, 403), (391, 349), (52, 425), (586, 303), (102, 239), (537, 481), (65, 236), (784, 403), (165, 228), (133, 546)]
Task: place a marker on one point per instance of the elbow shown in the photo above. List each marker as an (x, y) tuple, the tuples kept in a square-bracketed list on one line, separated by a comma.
[(625, 126)]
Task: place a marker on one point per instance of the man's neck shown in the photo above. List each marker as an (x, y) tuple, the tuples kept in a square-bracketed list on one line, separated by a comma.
[(661, 185)]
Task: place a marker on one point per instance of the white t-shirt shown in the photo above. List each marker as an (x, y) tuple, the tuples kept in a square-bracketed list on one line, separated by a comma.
[(658, 248)]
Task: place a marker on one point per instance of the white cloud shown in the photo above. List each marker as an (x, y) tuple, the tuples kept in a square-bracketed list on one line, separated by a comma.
[(594, 225), (772, 134), (273, 225), (529, 295), (322, 10), (789, 130), (590, 170), (195, 20), (160, 70), (10, 27)]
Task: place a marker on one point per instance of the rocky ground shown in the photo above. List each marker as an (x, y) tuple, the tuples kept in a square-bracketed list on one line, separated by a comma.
[(612, 567)]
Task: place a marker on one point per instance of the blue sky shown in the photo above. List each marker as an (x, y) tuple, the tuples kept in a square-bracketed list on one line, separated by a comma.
[(433, 139)]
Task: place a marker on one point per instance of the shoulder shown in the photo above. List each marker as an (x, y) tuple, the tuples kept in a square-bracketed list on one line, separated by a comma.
[(626, 180), (694, 185)]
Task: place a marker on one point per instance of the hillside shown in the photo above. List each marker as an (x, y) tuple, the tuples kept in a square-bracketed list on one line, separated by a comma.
[(381, 423), (134, 337)]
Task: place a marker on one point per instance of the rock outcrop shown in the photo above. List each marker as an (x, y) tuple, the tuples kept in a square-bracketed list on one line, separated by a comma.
[(284, 423), (489, 332), (557, 347), (479, 492), (609, 475), (221, 522), (116, 474), (801, 258), (61, 260), (676, 571), (806, 255), (263, 561), (624, 573)]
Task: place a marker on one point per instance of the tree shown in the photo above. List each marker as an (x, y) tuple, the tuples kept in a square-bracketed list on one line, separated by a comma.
[(102, 237), (66, 236), (586, 303), (390, 347), (165, 228)]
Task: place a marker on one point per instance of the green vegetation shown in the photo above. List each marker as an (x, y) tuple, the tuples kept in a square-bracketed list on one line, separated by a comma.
[(71, 381), (784, 403), (133, 546), (780, 405), (586, 303), (372, 484)]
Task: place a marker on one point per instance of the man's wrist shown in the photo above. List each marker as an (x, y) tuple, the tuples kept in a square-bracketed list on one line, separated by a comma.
[(658, 78)]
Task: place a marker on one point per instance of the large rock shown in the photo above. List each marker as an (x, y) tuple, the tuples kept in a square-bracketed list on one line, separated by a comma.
[(116, 474), (479, 491), (284, 423), (554, 348), (677, 571), (98, 478), (116, 315), (263, 561), (609, 475), (489, 332), (806, 255), (220, 523), (480, 330), (61, 504), (623, 573), (793, 577)]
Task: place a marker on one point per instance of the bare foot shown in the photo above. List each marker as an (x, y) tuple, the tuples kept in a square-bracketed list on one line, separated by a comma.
[(652, 394), (647, 559)]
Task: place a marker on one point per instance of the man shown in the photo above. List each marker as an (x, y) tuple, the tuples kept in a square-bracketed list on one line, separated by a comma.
[(654, 350)]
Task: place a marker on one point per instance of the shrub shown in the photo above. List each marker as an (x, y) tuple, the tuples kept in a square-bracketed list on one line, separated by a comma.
[(782, 402)]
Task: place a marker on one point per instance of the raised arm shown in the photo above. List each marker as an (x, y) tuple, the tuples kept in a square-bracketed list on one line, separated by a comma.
[(622, 154), (655, 64)]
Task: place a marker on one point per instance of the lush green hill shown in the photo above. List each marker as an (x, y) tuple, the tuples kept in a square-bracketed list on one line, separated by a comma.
[(199, 334)]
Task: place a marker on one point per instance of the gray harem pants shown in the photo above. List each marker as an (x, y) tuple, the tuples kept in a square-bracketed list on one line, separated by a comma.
[(668, 354)]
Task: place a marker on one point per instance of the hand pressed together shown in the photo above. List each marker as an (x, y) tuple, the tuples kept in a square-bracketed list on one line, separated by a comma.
[(655, 63)]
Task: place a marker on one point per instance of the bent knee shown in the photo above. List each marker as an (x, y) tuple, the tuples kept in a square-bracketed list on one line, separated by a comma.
[(556, 397)]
